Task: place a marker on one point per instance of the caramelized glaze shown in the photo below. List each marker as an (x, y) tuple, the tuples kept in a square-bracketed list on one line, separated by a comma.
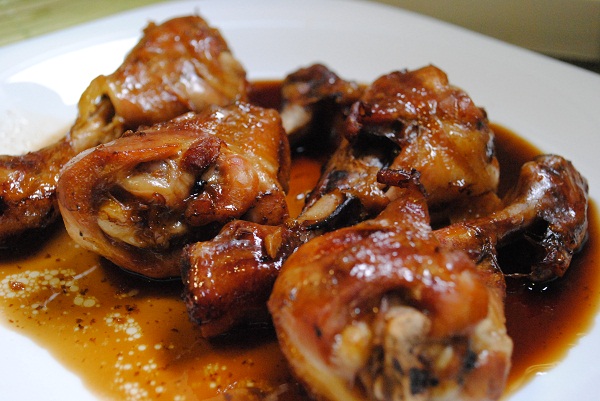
[(131, 339)]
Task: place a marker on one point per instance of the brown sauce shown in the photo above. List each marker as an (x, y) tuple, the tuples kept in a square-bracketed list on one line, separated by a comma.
[(545, 322), (130, 339)]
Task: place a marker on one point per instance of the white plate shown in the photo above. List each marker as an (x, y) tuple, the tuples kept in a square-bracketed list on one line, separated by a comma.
[(554, 105)]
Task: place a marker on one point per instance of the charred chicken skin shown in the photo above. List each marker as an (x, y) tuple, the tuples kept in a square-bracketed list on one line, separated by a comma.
[(178, 66), (139, 199), (382, 311)]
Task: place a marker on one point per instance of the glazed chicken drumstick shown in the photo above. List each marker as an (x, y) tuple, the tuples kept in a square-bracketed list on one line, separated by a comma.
[(178, 66), (139, 199), (548, 207), (439, 131), (382, 311)]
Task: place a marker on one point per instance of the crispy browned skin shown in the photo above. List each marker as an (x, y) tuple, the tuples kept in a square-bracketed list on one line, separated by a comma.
[(139, 199), (548, 207), (356, 309), (348, 190), (381, 311), (180, 65)]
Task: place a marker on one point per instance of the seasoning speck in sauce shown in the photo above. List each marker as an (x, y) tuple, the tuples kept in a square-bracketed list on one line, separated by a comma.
[(131, 339)]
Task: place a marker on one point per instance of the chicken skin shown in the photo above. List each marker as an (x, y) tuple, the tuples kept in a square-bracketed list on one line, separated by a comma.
[(382, 311), (438, 128), (139, 199), (178, 66)]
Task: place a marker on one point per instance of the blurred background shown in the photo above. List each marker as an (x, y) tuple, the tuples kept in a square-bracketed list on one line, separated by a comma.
[(565, 29)]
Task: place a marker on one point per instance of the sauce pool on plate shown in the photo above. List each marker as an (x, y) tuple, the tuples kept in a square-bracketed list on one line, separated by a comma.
[(129, 338)]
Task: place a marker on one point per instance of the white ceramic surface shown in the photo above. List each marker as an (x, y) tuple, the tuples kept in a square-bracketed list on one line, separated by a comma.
[(552, 104)]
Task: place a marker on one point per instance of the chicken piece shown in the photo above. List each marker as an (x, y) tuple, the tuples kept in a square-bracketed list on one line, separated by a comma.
[(139, 199), (178, 66), (548, 207), (228, 280), (406, 121), (412, 120), (314, 102), (440, 132), (381, 311)]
